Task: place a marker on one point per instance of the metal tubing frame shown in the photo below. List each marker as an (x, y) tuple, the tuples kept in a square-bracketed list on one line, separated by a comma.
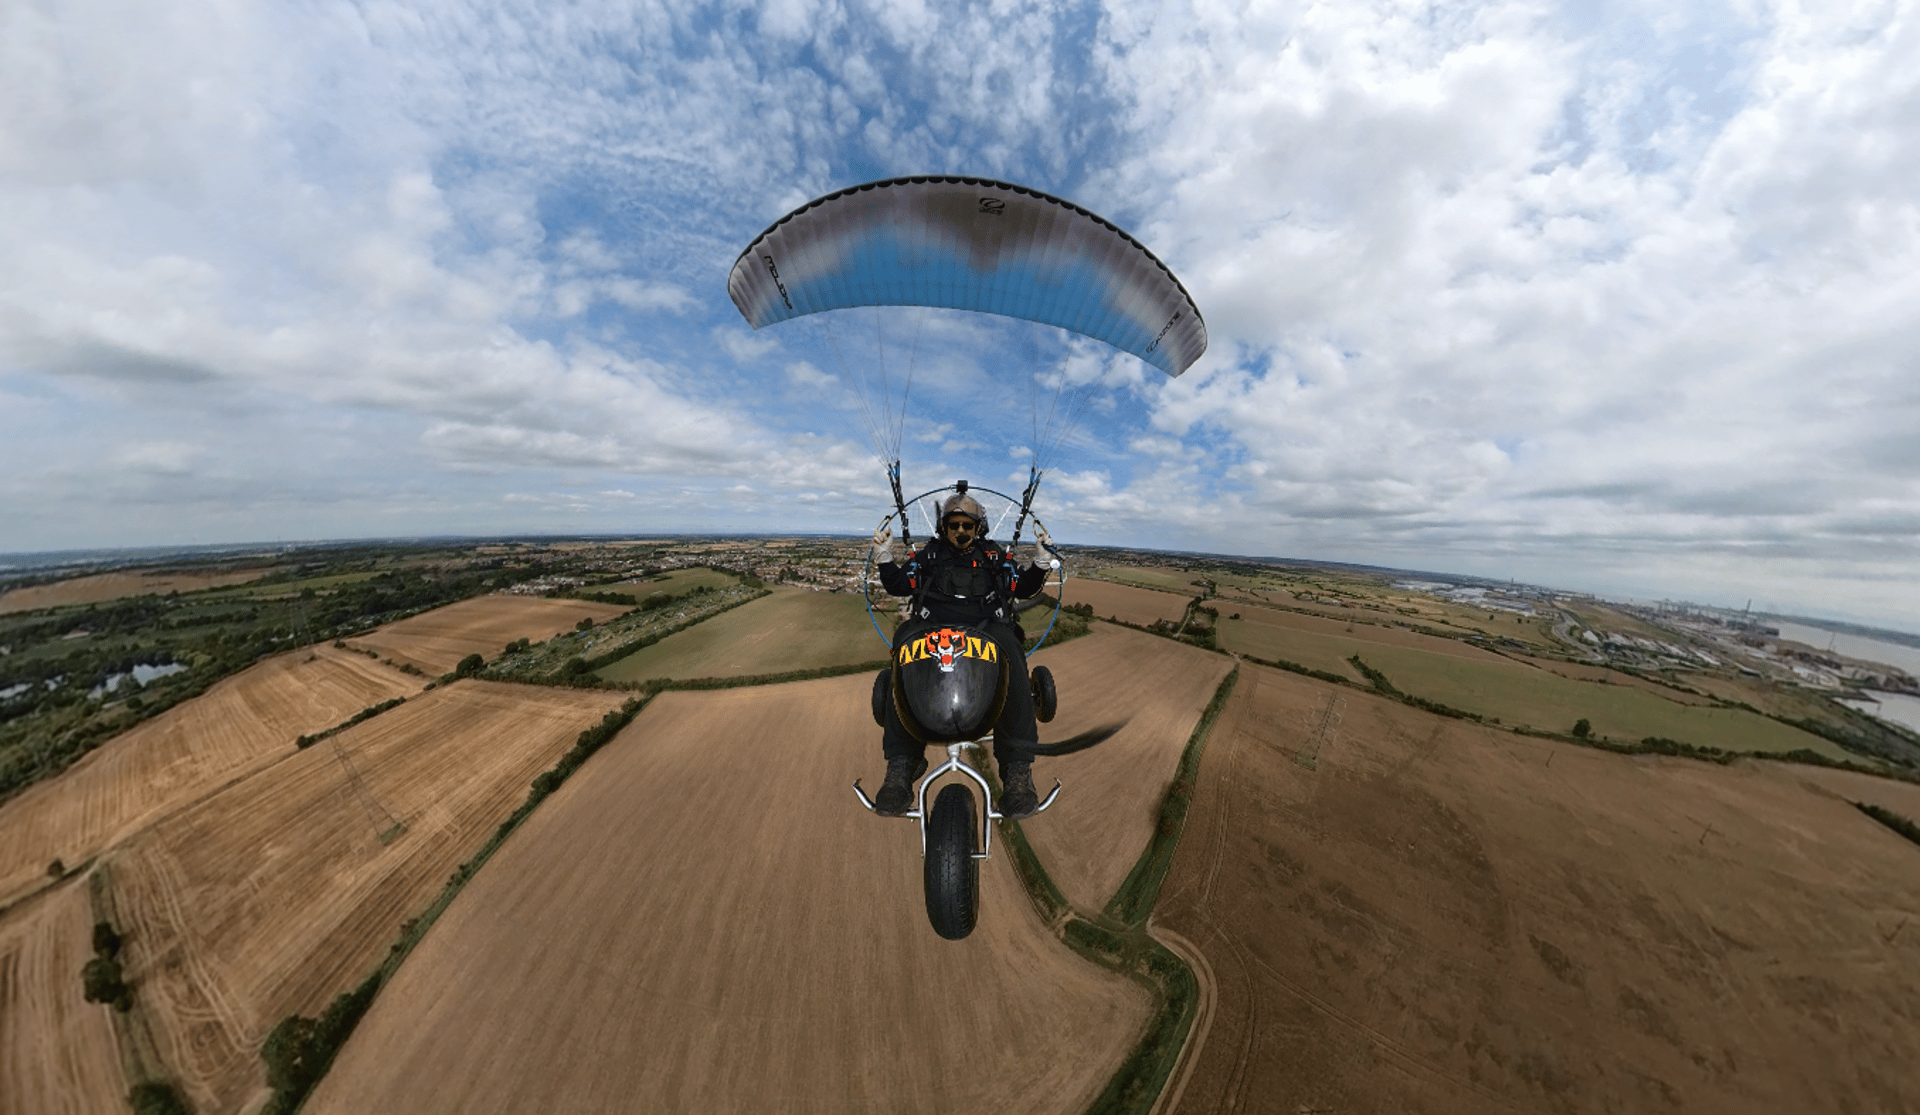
[(866, 574), (954, 763)]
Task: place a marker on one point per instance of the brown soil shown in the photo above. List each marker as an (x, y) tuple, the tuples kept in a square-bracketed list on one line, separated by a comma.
[(113, 586), (436, 641), (1126, 603), (57, 1051), (1110, 794), (1444, 917), (705, 919), (279, 893), (242, 723)]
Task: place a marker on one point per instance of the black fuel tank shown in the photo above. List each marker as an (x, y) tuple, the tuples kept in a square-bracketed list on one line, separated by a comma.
[(948, 682)]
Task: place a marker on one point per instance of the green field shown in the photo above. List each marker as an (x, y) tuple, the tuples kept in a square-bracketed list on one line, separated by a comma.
[(677, 582), (793, 629), (1521, 696)]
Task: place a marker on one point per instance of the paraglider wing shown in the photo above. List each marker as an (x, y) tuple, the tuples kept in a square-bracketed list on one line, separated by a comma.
[(970, 244)]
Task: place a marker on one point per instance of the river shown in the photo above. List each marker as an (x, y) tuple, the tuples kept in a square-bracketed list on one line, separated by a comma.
[(1852, 646)]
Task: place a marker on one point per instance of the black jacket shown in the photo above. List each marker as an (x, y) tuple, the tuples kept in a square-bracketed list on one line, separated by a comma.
[(967, 586)]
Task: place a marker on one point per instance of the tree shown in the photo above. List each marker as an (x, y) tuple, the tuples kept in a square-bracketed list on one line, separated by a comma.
[(469, 666), (1581, 729)]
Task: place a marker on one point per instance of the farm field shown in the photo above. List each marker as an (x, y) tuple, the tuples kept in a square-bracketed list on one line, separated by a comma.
[(279, 893), (101, 587), (1363, 630), (1520, 695), (1125, 602), (704, 919), (1177, 581), (436, 641), (239, 725), (57, 1051), (1110, 794), (1446, 918), (791, 629), (676, 582)]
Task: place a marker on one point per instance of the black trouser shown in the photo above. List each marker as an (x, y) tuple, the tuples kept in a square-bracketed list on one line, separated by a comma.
[(1016, 716)]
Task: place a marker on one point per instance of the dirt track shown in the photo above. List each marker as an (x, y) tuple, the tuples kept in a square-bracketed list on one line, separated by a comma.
[(277, 894), (1440, 919), (436, 641), (240, 724), (705, 920), (57, 1051), (1110, 796)]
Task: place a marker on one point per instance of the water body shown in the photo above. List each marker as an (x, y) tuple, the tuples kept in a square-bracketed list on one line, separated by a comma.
[(142, 673), (1853, 646), (1897, 707)]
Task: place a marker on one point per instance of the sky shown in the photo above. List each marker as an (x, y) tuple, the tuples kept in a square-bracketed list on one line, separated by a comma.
[(1611, 297)]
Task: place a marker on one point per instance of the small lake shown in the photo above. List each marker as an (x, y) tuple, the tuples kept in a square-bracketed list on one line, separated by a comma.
[(1897, 707), (1853, 646), (141, 673)]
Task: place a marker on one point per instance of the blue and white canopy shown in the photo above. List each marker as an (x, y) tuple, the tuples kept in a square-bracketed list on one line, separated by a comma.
[(970, 244)]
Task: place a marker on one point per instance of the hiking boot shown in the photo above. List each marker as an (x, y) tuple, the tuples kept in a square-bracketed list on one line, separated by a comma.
[(1017, 796), (896, 793)]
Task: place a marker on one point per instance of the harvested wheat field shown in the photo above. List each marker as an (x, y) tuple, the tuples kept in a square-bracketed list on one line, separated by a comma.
[(100, 587), (704, 919), (1447, 918), (436, 641), (239, 725), (57, 1051), (1110, 794), (279, 893), (1124, 602)]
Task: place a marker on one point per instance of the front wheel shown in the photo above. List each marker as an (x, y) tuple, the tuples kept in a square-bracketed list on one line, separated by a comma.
[(952, 874), (882, 695), (1046, 702)]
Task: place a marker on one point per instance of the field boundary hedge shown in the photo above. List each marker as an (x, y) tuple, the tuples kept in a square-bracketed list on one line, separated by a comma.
[(1118, 939)]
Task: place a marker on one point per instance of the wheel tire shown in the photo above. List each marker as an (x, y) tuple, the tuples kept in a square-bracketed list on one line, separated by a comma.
[(1046, 702), (953, 875), (882, 695)]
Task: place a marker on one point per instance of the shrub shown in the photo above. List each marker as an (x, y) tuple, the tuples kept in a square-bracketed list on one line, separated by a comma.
[(56, 869), (101, 981), (575, 667), (105, 941), (585, 624), (156, 1097)]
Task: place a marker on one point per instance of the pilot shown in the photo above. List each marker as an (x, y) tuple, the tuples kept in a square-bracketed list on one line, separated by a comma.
[(964, 578)]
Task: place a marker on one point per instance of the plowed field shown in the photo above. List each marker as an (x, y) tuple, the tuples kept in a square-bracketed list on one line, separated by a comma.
[(436, 641), (240, 724), (1110, 795), (1125, 602), (57, 1051), (1447, 918), (705, 920), (277, 894)]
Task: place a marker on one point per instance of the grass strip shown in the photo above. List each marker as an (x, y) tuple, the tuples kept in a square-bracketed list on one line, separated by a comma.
[(1125, 946), (1135, 899)]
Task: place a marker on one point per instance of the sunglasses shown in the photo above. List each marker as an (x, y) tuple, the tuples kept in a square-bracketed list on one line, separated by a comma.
[(960, 526)]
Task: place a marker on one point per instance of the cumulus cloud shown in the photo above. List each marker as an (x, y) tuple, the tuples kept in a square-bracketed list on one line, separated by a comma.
[(1620, 297)]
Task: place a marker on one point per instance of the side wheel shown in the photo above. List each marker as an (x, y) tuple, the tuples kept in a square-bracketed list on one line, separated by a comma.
[(1045, 701), (882, 695), (953, 875)]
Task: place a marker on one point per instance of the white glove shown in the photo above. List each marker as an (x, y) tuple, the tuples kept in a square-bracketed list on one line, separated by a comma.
[(883, 541), (1044, 544)]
